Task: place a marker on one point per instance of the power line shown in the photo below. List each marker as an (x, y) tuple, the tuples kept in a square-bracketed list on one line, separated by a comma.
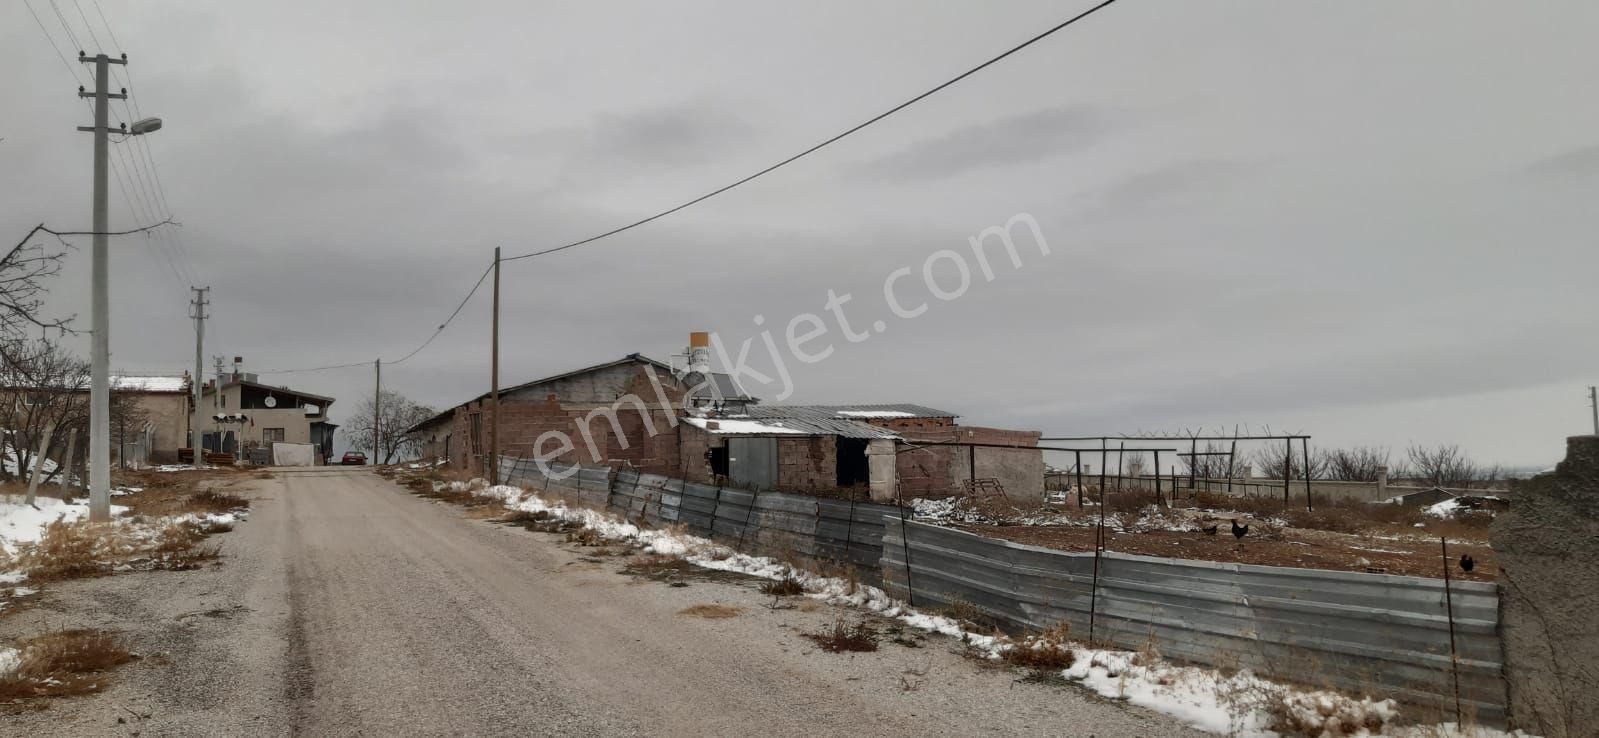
[(74, 71), (142, 159), (447, 321), (450, 319), (823, 144)]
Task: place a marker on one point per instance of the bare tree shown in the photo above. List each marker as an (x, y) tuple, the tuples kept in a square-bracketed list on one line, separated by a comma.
[(399, 415), (47, 386), (1269, 461), (24, 272), (1356, 464), (1444, 465)]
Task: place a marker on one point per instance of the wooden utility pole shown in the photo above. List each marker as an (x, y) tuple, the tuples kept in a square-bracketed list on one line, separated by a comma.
[(377, 406), (494, 380)]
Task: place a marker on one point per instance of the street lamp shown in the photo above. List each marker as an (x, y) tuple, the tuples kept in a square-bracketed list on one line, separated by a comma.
[(148, 125), (100, 345)]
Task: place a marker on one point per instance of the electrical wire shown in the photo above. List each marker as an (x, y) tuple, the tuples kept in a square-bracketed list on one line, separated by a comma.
[(450, 319), (116, 169), (141, 164), (823, 144), (447, 321)]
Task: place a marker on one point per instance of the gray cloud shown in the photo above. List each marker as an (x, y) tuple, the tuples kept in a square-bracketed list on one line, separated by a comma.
[(1581, 162), (1264, 254), (1025, 137)]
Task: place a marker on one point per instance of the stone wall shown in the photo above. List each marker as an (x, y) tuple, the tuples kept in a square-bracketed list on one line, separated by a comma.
[(1548, 554)]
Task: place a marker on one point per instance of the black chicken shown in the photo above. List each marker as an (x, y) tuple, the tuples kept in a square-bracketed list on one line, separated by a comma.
[(1467, 563), (1239, 531), (1211, 530)]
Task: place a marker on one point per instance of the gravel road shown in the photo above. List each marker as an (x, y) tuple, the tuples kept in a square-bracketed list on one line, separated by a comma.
[(346, 606)]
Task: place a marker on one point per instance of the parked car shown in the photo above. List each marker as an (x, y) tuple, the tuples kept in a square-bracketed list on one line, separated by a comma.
[(353, 458)]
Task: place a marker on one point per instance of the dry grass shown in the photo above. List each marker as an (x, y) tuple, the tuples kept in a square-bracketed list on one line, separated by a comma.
[(657, 567), (843, 637), (66, 662), (711, 612), (788, 586), (83, 549), (1046, 651)]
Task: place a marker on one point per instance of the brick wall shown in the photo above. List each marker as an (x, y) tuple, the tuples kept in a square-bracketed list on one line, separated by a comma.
[(941, 471), (807, 464), (643, 435)]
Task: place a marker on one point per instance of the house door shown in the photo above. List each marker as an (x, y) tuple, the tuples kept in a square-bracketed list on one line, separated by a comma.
[(752, 463)]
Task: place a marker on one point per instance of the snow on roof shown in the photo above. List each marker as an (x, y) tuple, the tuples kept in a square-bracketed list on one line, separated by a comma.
[(876, 413), (729, 425), (151, 383)]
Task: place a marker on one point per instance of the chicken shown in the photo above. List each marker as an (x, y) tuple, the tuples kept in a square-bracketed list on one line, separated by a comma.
[(1210, 531), (1239, 531), (1467, 563)]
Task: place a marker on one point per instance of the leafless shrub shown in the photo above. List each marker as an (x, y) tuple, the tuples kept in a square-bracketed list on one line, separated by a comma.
[(66, 662), (1046, 651), (788, 586), (843, 637), (216, 502)]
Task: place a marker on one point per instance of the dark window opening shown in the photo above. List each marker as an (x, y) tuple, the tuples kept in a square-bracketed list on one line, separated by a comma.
[(853, 469), (717, 455)]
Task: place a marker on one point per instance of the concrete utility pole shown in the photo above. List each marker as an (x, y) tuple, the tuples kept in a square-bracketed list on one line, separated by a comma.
[(100, 345), (494, 380), (377, 406), (1593, 402), (196, 434)]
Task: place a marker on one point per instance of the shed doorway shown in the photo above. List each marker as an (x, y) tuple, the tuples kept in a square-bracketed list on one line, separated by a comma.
[(853, 468)]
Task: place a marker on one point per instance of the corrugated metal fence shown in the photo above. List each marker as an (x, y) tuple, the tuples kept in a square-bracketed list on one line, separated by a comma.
[(1374, 633), (832, 533)]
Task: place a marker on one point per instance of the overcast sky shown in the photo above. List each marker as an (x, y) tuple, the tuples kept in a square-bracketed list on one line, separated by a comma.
[(1370, 222)]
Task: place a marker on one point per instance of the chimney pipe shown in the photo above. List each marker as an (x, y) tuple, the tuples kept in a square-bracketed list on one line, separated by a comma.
[(699, 352)]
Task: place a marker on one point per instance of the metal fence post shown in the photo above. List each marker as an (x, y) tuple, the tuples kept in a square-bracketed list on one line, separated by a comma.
[(905, 547), (1449, 606)]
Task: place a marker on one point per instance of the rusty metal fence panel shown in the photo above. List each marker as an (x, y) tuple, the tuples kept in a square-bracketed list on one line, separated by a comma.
[(1381, 634)]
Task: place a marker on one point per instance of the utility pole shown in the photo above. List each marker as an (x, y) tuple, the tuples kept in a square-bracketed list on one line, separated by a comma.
[(100, 343), (377, 406), (196, 435), (1593, 402), (494, 380)]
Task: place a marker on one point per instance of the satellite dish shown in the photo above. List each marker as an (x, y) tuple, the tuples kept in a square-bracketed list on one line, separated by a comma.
[(270, 401)]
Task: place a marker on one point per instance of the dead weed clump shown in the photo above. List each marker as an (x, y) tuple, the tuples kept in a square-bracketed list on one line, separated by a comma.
[(843, 637), (81, 549), (1046, 651), (213, 501), (711, 612), (788, 586), (73, 550), (67, 662), (657, 567)]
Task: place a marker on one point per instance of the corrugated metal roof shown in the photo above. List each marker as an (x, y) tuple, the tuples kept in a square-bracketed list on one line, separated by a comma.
[(859, 412), (812, 420), (757, 420)]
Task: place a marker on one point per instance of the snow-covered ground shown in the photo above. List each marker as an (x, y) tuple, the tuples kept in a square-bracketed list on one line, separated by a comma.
[(22, 524), (1241, 704)]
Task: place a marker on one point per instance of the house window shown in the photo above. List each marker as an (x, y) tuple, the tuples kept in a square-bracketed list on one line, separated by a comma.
[(272, 435)]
